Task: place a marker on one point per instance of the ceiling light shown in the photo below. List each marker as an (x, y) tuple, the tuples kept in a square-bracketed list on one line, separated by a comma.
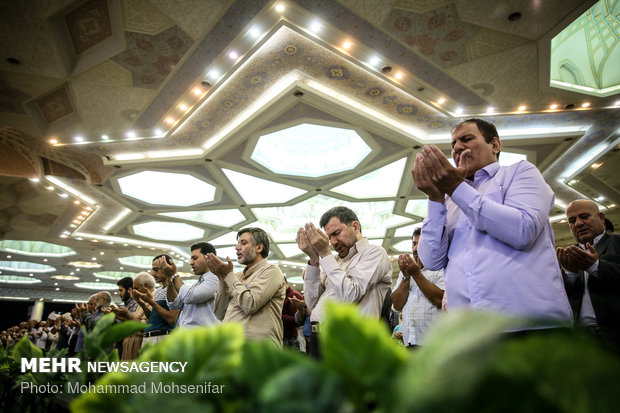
[(78, 139), (374, 61), (24, 266), (172, 231), (310, 150), (617, 103), (346, 45), (76, 202), (599, 198), (114, 275), (554, 106), (280, 8), (596, 165), (36, 248), (158, 132), (315, 26), (53, 141), (34, 180), (380, 183), (490, 109), (63, 195), (197, 92), (16, 279), (170, 121), (182, 106), (254, 32), (585, 105), (97, 286), (105, 137), (458, 111), (255, 190), (398, 75), (612, 205), (84, 264), (49, 188), (219, 217), (233, 55), (441, 101), (522, 108), (182, 189), (64, 278)]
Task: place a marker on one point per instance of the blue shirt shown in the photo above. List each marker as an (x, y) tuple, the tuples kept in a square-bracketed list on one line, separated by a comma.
[(196, 302), (155, 320), (495, 241)]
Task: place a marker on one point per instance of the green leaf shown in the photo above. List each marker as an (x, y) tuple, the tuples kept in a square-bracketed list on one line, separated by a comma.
[(303, 388), (211, 354), (470, 364), (117, 332), (25, 349), (361, 352)]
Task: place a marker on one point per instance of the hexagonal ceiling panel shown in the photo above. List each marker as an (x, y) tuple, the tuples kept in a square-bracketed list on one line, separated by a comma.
[(310, 150), (172, 231), (166, 188)]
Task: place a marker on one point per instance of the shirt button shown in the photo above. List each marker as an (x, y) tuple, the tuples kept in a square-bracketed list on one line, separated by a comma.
[(468, 274)]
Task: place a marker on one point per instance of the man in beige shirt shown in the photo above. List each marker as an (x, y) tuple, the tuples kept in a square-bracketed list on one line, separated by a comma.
[(253, 297)]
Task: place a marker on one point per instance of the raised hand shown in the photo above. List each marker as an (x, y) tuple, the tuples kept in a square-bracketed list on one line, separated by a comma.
[(218, 267), (304, 244), (318, 239), (168, 268)]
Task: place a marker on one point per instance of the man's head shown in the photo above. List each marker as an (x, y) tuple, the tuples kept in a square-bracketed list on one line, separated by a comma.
[(124, 288), (415, 240), (343, 229), (104, 299), (144, 282), (156, 271), (475, 144), (609, 226), (585, 220), (252, 246), (91, 305), (197, 260)]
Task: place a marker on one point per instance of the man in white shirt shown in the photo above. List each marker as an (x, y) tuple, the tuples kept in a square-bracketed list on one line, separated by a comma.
[(360, 273), (419, 300)]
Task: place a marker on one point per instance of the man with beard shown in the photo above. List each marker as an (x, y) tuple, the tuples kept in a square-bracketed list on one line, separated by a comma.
[(195, 302), (253, 297), (361, 273), (125, 287), (419, 300)]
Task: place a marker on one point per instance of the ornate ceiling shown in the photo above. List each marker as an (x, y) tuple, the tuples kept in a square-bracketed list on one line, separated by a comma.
[(130, 128)]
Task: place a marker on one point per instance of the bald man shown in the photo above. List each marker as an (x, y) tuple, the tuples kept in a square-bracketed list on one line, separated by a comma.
[(591, 271)]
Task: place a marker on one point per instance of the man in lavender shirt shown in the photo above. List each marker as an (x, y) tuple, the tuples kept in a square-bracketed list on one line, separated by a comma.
[(488, 225)]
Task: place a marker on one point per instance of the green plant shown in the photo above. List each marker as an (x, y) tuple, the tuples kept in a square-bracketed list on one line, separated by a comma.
[(467, 365)]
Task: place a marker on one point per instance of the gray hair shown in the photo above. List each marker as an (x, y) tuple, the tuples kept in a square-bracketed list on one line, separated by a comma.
[(145, 280)]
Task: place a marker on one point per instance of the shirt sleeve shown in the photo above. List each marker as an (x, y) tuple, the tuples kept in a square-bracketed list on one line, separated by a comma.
[(312, 287), (518, 218), (351, 285), (199, 292), (252, 297), (222, 298), (433, 245)]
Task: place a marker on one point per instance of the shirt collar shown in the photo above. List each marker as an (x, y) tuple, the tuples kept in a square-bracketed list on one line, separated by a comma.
[(595, 241), (490, 170), (249, 271), (360, 245)]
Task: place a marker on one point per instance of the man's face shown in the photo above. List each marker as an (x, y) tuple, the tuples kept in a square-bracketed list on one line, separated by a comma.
[(584, 221), (481, 153), (138, 287), (246, 252), (198, 263), (157, 272), (341, 236), (123, 293), (91, 305), (414, 250)]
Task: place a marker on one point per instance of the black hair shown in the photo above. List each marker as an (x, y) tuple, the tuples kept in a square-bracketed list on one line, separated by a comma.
[(205, 248), (259, 236), (344, 214), (416, 232), (168, 257), (126, 283)]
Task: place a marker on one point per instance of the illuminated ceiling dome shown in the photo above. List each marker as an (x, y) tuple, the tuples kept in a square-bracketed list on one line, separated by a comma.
[(173, 231), (585, 56), (36, 248), (310, 150), (166, 188)]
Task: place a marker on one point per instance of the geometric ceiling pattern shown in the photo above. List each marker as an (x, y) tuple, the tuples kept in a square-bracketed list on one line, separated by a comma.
[(167, 123), (585, 56)]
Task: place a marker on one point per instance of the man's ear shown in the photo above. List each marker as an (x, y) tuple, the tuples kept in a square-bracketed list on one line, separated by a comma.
[(260, 248), (357, 226), (497, 145)]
